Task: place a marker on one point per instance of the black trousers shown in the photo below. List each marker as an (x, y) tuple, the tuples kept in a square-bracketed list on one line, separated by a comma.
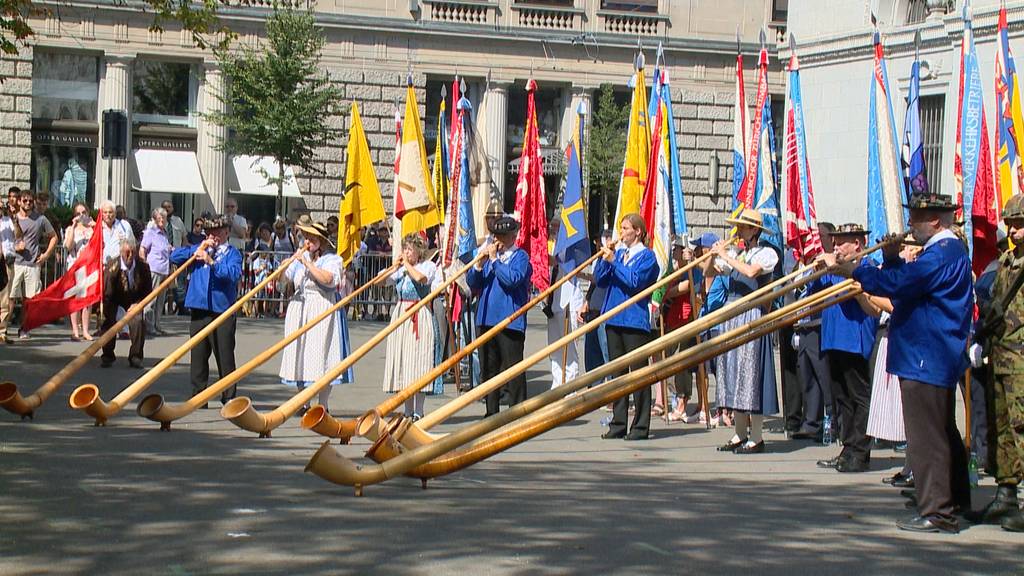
[(221, 343), (497, 355), (812, 366), (851, 386), (136, 334), (936, 452), (979, 413), (621, 341), (792, 390)]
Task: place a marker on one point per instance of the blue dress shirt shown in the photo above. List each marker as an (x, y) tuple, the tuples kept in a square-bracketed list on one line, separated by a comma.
[(211, 287), (625, 279), (503, 286)]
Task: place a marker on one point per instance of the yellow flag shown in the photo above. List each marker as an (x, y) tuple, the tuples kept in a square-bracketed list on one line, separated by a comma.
[(361, 204), (414, 198), (439, 177), (638, 152)]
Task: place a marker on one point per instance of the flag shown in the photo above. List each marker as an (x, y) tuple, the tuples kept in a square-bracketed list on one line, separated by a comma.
[(977, 194), (80, 287), (656, 208), (638, 140), (361, 204), (1009, 121), (461, 238), (529, 206), (414, 197), (440, 172), (913, 147), (740, 144), (396, 223), (760, 184), (572, 246), (672, 176), (801, 217), (885, 183)]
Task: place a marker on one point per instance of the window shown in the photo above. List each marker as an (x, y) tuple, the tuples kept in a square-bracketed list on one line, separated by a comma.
[(65, 86), (165, 92), (917, 11), (780, 10), (554, 3), (644, 6), (932, 111)]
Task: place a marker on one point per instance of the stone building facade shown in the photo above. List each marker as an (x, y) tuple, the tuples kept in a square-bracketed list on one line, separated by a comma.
[(88, 57)]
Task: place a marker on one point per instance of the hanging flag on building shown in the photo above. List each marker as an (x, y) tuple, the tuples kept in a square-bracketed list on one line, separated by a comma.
[(638, 141), (529, 205), (760, 184), (916, 181), (572, 246), (361, 204), (414, 197), (800, 214), (740, 142), (886, 193), (1009, 121), (80, 287)]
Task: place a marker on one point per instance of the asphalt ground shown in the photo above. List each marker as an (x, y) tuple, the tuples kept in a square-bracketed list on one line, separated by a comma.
[(209, 498)]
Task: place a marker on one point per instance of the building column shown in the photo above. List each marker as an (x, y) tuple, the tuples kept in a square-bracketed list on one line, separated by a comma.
[(495, 122), (212, 162), (116, 94)]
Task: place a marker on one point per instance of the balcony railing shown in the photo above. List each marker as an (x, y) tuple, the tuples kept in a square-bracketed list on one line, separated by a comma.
[(548, 17), (632, 23), (461, 11)]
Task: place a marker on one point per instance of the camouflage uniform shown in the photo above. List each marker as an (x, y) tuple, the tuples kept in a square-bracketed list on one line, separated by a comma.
[(1007, 361)]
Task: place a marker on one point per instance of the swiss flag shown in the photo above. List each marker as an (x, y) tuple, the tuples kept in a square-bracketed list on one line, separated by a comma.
[(80, 287)]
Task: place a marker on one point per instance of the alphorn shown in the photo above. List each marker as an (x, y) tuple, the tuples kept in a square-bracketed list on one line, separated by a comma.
[(154, 408), (87, 396), (241, 412), (333, 467), (320, 421), (12, 401), (416, 434)]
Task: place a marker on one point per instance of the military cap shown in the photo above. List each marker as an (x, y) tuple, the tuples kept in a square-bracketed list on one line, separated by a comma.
[(504, 225), (1014, 208), (930, 201)]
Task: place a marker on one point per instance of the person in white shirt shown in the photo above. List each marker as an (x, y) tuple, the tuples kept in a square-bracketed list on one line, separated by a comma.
[(238, 227)]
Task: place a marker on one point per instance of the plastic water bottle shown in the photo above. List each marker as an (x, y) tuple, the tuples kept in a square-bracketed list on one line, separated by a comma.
[(606, 421), (826, 429), (972, 469)]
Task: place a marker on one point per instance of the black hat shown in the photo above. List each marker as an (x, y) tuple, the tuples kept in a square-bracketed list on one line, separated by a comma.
[(212, 222), (931, 201), (504, 225), (849, 229)]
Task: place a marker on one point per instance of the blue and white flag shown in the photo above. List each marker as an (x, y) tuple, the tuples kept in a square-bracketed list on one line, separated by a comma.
[(886, 192), (572, 246)]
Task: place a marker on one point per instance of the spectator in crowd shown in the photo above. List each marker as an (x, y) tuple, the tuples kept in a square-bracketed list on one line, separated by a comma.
[(10, 231), (42, 206), (332, 228), (155, 251), (175, 227), (26, 281), (237, 225), (413, 348), (127, 282), (677, 310), (13, 199), (76, 237), (196, 235), (135, 224), (114, 231), (318, 275), (262, 240)]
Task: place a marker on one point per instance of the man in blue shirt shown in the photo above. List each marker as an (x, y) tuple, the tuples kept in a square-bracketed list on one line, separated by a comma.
[(502, 285), (847, 337), (212, 289), (931, 318)]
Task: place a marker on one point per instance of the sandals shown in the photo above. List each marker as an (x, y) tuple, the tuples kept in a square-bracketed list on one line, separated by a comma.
[(657, 411)]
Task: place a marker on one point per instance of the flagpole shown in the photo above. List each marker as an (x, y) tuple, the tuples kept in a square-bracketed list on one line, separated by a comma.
[(702, 374), (565, 349)]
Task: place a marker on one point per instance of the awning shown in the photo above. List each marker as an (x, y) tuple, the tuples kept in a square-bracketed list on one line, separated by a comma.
[(167, 172), (246, 176)]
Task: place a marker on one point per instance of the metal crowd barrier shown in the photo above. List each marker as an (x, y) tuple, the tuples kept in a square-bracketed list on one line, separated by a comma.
[(374, 303)]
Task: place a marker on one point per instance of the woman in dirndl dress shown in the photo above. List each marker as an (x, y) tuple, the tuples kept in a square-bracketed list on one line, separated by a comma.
[(413, 349), (318, 275), (745, 379), (885, 413)]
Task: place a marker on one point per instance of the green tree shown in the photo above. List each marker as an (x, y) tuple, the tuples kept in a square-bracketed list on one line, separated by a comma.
[(277, 100), (606, 149)]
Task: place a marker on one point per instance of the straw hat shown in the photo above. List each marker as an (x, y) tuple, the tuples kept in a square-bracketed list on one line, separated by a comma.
[(748, 217), (316, 229)]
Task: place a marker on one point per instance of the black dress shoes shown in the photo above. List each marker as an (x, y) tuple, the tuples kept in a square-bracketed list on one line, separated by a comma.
[(636, 436), (732, 446), (805, 435), (751, 448), (928, 524), (908, 493), (1004, 504), (897, 477), (905, 482), (1013, 522), (852, 465), (613, 435), (831, 462)]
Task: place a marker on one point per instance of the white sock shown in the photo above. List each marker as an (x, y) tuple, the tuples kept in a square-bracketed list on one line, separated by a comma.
[(756, 422), (742, 420)]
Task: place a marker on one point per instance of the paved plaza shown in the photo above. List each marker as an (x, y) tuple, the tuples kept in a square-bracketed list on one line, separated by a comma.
[(208, 498)]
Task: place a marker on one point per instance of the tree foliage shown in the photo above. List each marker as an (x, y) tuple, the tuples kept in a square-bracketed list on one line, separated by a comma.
[(606, 150), (14, 28), (277, 101)]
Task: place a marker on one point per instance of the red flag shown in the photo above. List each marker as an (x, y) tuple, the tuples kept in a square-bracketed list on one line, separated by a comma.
[(533, 235), (80, 287), (983, 210)]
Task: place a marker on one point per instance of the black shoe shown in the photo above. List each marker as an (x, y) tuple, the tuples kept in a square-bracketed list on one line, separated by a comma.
[(805, 435), (636, 436), (732, 446), (1013, 522), (928, 524), (1004, 504), (852, 465), (613, 435), (908, 493), (750, 448), (831, 462), (890, 480), (905, 482), (135, 363), (105, 363)]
